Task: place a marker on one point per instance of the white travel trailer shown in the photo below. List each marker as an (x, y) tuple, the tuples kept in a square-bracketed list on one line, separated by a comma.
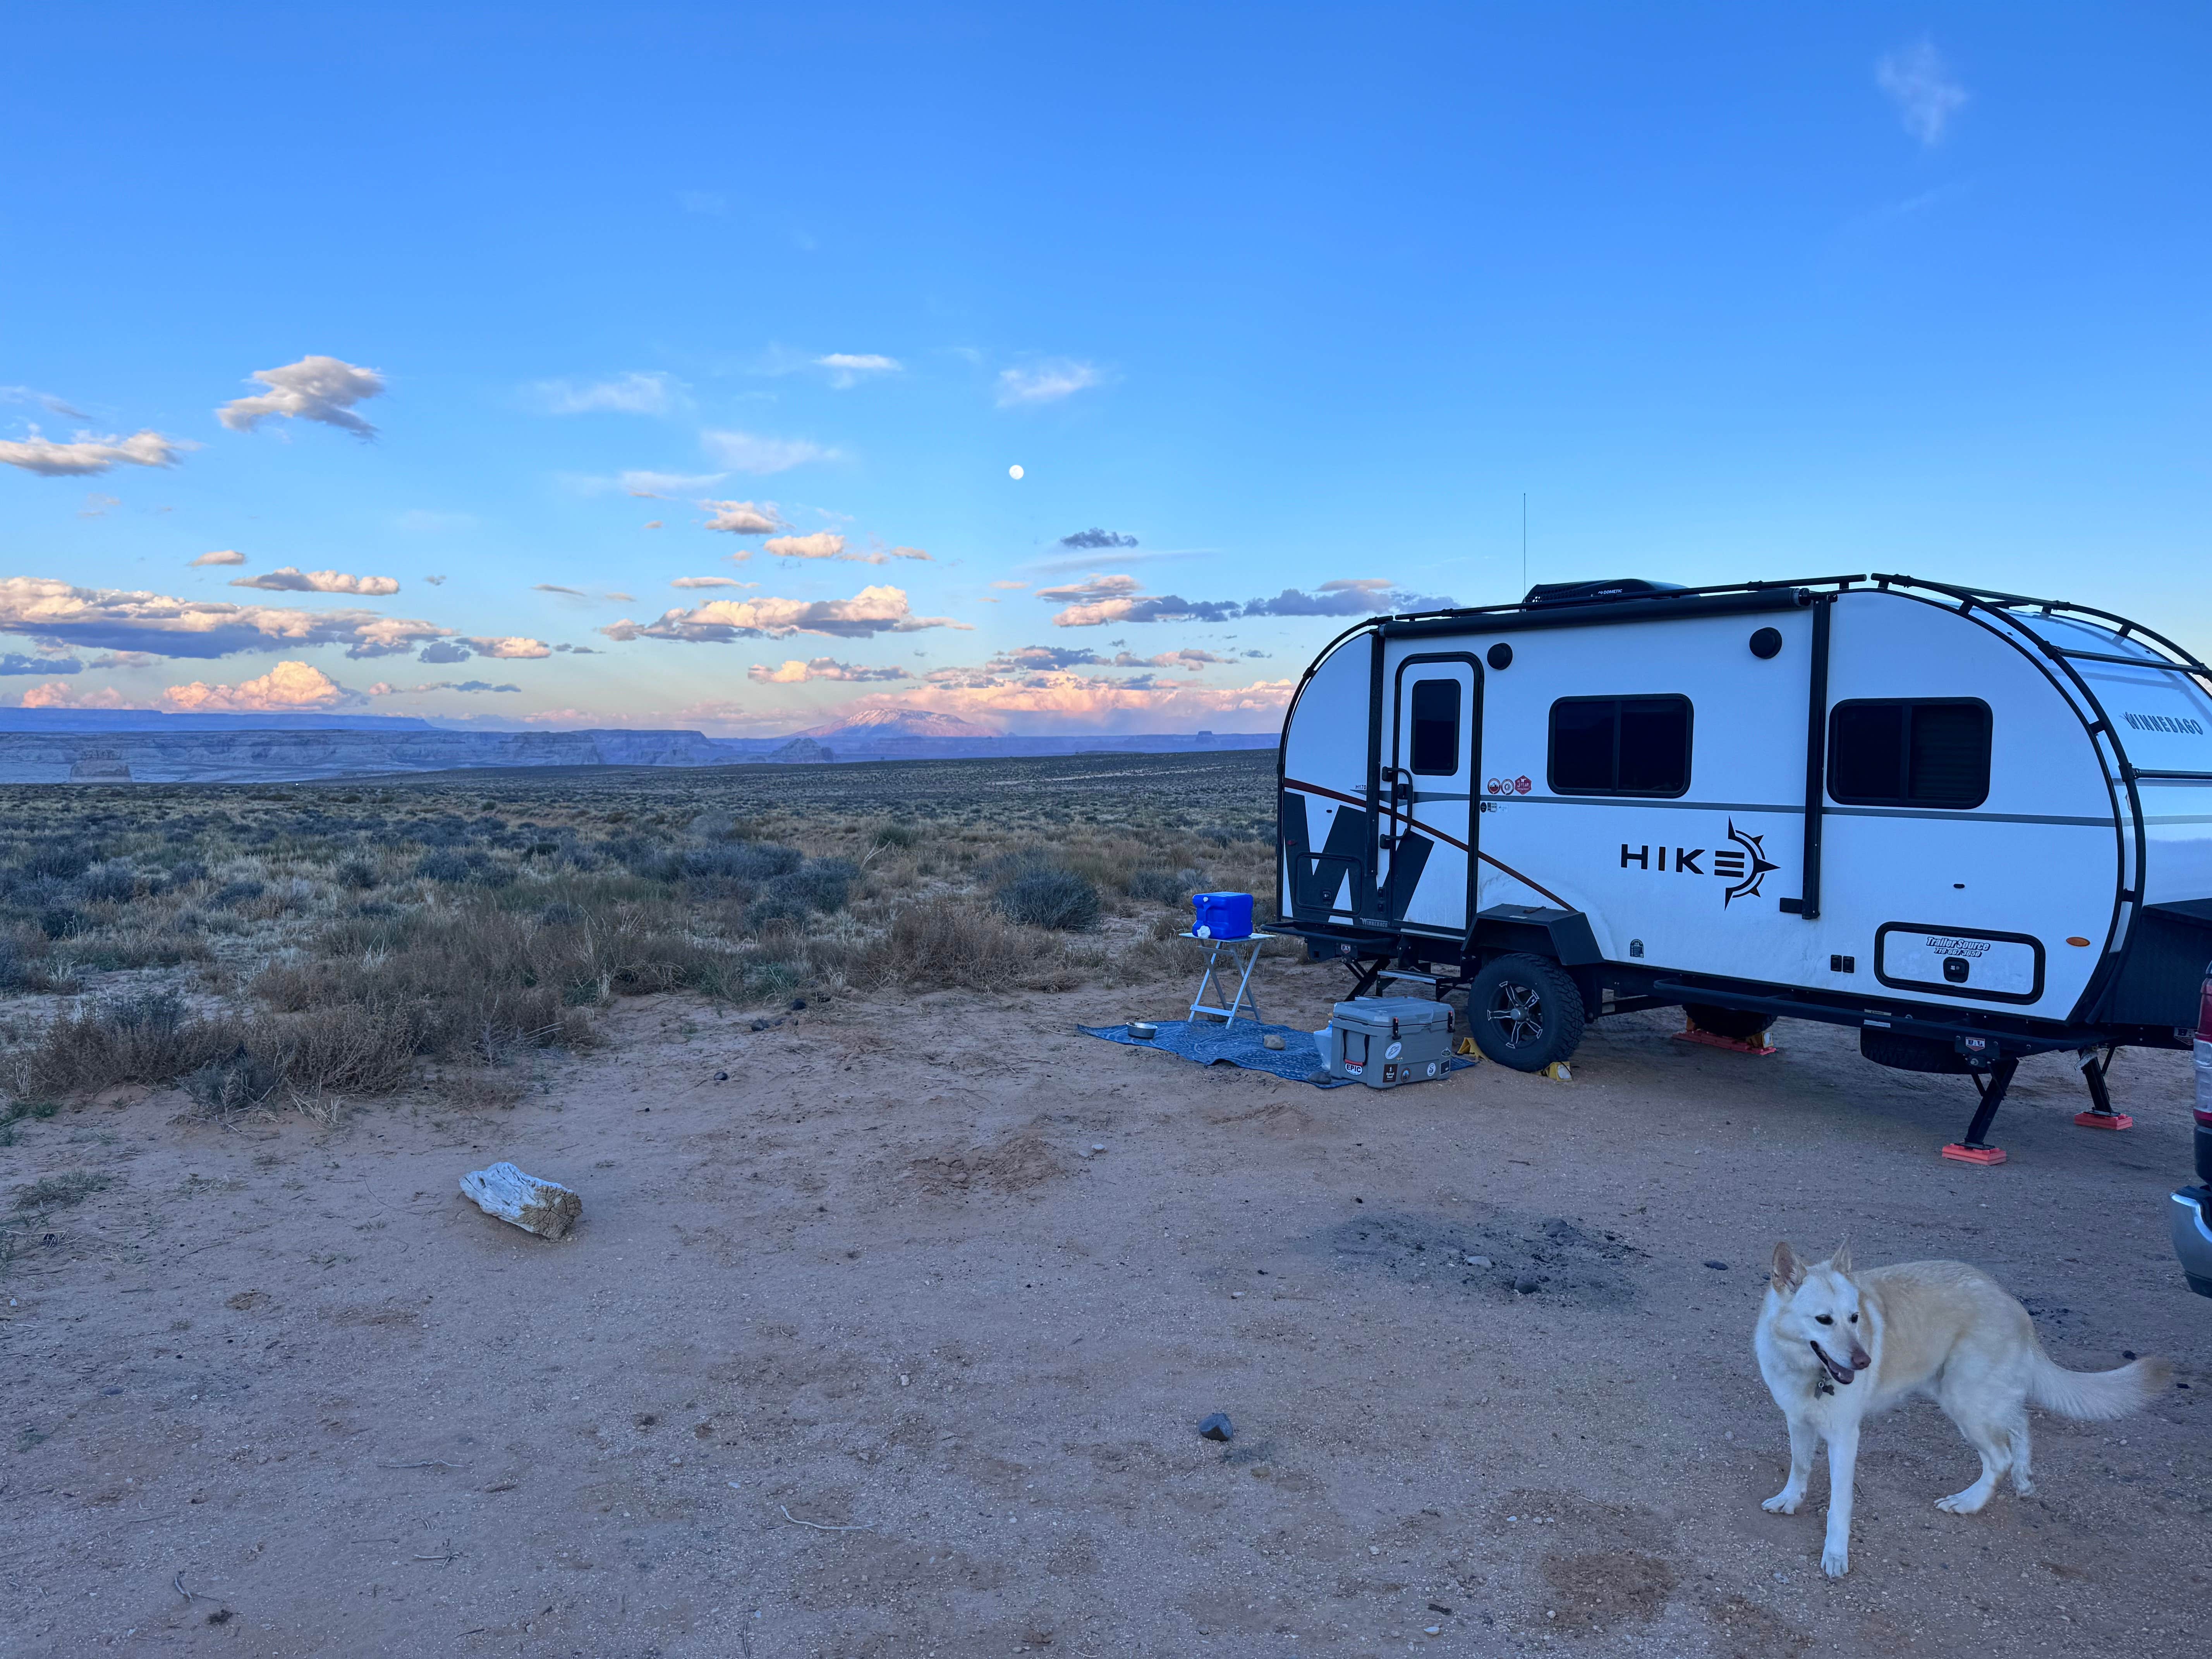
[(1974, 826)]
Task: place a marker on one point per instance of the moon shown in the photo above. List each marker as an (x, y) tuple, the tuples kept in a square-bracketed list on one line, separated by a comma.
[(1013, 472)]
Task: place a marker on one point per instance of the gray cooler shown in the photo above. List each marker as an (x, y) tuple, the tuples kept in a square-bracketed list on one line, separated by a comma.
[(1384, 1042)]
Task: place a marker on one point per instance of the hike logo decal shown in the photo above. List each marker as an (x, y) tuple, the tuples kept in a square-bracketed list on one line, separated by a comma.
[(1743, 865), (1746, 861)]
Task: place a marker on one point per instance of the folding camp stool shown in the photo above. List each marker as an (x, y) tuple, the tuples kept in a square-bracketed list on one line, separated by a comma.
[(1243, 956)]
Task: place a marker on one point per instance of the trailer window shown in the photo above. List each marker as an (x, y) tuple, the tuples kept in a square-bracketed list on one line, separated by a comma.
[(1436, 728), (1620, 746), (1900, 753)]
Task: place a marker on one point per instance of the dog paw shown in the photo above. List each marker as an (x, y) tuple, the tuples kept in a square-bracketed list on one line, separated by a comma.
[(1835, 1563), (1783, 1503), (2023, 1485), (1968, 1502)]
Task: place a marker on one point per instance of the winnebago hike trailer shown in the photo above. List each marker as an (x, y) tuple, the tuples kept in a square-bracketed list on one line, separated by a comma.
[(1974, 826)]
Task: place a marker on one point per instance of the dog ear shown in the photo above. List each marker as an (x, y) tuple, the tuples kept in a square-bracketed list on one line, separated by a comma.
[(1841, 1261), (1788, 1273)]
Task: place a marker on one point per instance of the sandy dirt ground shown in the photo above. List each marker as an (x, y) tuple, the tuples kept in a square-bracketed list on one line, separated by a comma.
[(895, 1343)]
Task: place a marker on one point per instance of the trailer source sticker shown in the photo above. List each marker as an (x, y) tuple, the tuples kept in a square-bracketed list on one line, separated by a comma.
[(1743, 865)]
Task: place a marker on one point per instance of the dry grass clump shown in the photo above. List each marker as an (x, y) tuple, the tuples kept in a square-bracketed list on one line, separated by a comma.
[(300, 944), (943, 942)]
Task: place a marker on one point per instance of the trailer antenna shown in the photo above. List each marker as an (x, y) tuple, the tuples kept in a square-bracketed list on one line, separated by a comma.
[(1524, 544)]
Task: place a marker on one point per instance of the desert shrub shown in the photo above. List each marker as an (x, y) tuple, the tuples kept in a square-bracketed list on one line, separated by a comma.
[(742, 861), (55, 859), (443, 863), (57, 1192), (941, 942), (559, 913), (357, 873), (186, 872), (818, 885), (231, 894), (113, 952), (147, 1037), (109, 883), (62, 922), (1156, 886), (232, 1084), (894, 834), (1045, 898)]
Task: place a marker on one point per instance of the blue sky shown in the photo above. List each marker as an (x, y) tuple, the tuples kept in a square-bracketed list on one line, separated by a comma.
[(1279, 299)]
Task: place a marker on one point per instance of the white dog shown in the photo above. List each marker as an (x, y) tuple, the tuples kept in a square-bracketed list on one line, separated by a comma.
[(1835, 1347)]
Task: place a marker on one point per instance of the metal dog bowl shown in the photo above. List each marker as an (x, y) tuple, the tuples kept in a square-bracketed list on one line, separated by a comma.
[(1143, 1029)]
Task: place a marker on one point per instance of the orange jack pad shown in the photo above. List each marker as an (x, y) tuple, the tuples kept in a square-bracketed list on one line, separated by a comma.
[(1964, 1154), (2104, 1120)]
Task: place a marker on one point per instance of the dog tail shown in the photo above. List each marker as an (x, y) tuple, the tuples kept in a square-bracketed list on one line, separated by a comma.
[(2095, 1396)]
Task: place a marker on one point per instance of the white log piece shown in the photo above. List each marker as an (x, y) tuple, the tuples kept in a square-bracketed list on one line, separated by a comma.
[(544, 1207)]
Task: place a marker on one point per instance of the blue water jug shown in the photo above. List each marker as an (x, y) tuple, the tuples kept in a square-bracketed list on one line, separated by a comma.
[(1222, 915)]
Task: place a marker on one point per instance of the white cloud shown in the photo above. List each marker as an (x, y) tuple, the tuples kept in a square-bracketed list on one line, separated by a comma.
[(795, 672), (556, 587), (122, 620), (710, 581), (436, 581), (287, 579), (655, 486), (221, 555), (871, 611), (822, 544), (60, 694), (1920, 84), (45, 400), (1357, 585), (635, 394), (512, 646), (1046, 382), (96, 505), (653, 523), (314, 389), (1010, 584), (287, 686), (846, 368), (88, 453), (743, 452), (745, 518)]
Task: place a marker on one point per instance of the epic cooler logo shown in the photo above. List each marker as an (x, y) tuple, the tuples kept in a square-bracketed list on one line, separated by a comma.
[(1743, 865)]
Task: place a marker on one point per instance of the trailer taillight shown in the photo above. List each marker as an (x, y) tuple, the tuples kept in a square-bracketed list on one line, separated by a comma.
[(2204, 1008)]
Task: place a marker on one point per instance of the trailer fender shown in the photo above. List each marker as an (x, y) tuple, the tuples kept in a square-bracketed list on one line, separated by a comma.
[(1565, 936)]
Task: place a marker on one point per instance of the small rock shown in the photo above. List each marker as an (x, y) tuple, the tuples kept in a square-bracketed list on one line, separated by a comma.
[(1434, 1630), (1718, 1266), (1097, 1146), (797, 1003), (1439, 1606), (1272, 1041), (1217, 1427), (721, 1077), (1480, 1261), (1526, 1286)]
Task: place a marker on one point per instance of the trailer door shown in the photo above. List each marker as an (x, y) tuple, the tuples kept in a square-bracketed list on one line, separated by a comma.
[(1428, 816)]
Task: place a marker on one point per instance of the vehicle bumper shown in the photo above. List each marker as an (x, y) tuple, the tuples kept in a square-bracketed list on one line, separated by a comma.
[(2190, 1214)]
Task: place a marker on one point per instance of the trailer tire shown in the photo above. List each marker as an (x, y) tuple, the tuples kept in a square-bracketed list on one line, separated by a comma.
[(1524, 1012), (1902, 1052), (1732, 1023)]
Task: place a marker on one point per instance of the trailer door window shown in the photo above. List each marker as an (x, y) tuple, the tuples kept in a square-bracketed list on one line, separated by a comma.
[(1900, 753), (1620, 746), (1436, 728)]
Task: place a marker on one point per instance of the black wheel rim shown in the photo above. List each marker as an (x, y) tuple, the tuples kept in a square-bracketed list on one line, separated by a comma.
[(1517, 1012)]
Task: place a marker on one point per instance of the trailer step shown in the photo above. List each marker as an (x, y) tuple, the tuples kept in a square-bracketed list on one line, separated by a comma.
[(2104, 1121), (1960, 1153)]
